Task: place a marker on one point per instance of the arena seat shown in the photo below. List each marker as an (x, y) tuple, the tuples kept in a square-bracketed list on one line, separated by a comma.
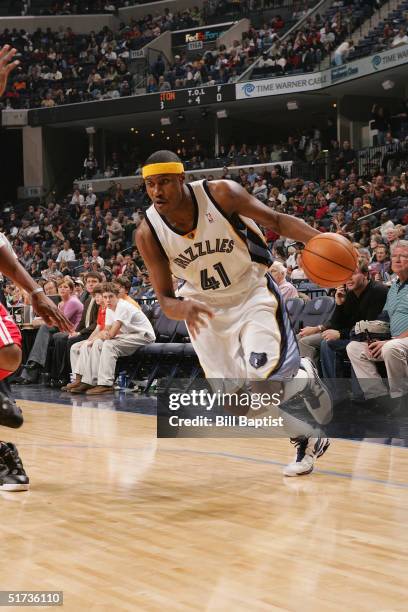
[(295, 306), (317, 311)]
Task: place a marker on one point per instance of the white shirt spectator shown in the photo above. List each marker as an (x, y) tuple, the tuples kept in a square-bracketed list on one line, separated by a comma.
[(399, 39), (66, 255), (298, 274), (78, 198), (133, 320), (90, 198), (99, 260)]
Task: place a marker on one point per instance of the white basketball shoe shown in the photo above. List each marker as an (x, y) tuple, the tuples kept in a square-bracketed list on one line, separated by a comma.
[(307, 451)]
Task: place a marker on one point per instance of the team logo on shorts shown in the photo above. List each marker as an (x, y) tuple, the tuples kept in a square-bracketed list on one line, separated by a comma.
[(209, 217), (257, 360)]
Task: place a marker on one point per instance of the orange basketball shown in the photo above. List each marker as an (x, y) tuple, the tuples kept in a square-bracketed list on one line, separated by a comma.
[(329, 260)]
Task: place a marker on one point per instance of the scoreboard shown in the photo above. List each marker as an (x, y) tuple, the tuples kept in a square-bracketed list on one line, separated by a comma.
[(196, 96)]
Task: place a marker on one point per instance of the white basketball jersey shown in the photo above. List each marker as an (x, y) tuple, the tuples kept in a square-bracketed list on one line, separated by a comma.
[(217, 257)]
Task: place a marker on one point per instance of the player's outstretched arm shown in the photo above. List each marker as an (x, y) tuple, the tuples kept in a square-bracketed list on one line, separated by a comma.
[(6, 65), (235, 199), (42, 305), (191, 311)]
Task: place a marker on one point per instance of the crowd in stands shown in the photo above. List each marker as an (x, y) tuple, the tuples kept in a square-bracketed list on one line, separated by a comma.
[(62, 67), (216, 66), (389, 34), (320, 36)]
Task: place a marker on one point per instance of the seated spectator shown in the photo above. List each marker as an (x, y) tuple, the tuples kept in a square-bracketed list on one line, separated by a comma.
[(90, 199), (72, 309), (298, 273), (361, 298), (393, 352), (59, 370), (66, 254), (380, 265), (287, 290), (51, 289), (126, 329), (114, 229), (400, 38), (145, 290), (80, 350), (77, 199)]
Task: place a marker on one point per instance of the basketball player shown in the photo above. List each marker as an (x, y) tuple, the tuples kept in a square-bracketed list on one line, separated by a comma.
[(12, 474), (206, 233)]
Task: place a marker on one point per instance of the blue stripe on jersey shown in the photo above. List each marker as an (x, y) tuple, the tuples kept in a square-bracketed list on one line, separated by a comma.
[(289, 360), (257, 248)]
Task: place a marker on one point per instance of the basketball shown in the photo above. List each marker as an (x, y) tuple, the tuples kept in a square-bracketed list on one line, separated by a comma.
[(329, 260)]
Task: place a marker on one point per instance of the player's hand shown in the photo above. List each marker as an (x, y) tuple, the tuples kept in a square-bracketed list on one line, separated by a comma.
[(375, 348), (6, 65), (196, 315), (308, 331), (340, 295), (330, 334), (50, 313)]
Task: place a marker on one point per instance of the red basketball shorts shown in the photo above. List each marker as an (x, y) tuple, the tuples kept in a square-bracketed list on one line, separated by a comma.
[(9, 334)]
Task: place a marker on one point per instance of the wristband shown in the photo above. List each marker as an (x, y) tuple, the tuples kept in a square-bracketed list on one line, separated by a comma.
[(37, 290)]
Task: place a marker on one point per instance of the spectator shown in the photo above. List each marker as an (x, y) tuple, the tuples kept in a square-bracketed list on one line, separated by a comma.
[(114, 230), (66, 254), (342, 52), (393, 352), (359, 299), (72, 309), (79, 352), (62, 341), (90, 199), (287, 290), (77, 199), (400, 38), (126, 329), (91, 166)]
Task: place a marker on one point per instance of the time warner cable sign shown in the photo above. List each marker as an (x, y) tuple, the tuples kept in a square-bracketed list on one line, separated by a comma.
[(282, 85), (326, 78)]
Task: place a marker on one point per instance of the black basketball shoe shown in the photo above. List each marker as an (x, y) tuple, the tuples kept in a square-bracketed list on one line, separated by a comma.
[(12, 474), (10, 414)]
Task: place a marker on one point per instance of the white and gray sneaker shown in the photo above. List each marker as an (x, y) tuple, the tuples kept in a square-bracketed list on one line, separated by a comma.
[(316, 395), (307, 451)]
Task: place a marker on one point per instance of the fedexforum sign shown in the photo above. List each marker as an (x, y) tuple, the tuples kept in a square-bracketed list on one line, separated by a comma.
[(320, 80)]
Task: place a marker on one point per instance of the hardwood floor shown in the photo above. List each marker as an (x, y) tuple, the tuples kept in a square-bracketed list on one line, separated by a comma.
[(119, 520)]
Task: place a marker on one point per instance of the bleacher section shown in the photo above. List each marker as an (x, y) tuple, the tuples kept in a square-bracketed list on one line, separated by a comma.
[(382, 37), (304, 49)]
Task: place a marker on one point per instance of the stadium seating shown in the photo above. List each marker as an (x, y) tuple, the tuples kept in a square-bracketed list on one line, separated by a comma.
[(317, 311), (382, 36)]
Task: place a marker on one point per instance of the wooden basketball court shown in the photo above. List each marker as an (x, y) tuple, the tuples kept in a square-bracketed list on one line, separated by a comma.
[(119, 520)]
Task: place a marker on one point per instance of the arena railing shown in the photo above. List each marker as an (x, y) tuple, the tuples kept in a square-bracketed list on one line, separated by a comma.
[(366, 161)]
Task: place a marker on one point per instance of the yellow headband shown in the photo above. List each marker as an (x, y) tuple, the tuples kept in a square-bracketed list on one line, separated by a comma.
[(163, 168)]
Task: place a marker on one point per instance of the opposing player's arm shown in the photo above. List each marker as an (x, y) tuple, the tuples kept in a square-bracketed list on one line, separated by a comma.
[(191, 311), (235, 199)]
